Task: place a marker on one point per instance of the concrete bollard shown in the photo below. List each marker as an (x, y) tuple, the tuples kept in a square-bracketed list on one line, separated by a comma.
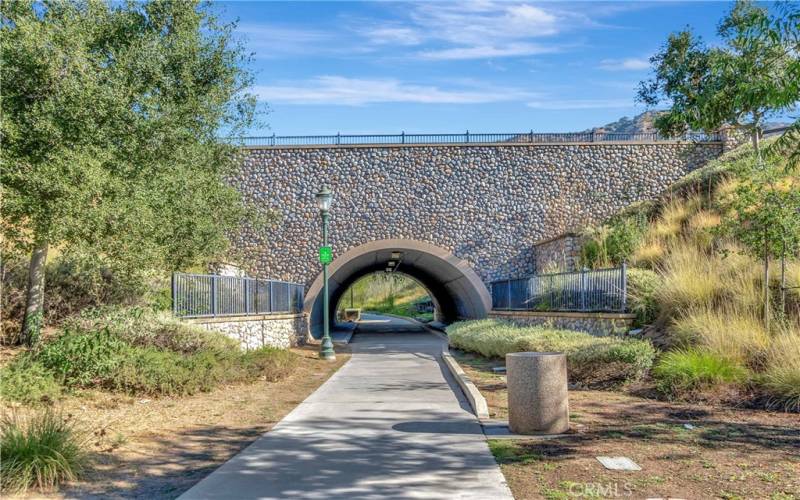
[(537, 392)]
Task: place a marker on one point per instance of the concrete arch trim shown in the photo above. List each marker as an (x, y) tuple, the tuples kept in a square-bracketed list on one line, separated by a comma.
[(465, 282)]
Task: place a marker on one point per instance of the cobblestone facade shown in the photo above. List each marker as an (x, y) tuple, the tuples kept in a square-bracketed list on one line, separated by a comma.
[(487, 204), (280, 330), (559, 254)]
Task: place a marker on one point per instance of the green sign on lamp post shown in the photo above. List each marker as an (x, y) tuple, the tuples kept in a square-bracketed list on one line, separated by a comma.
[(325, 255), (324, 198)]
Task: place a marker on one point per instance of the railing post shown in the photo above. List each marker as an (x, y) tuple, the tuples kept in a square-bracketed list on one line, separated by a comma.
[(273, 138), (246, 296), (594, 134), (584, 286), (271, 296), (403, 137), (338, 138), (530, 137), (508, 302), (467, 135), (214, 295), (624, 277), (174, 294)]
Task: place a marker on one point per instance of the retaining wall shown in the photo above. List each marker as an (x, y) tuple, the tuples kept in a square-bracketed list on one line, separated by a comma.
[(595, 323), (268, 330)]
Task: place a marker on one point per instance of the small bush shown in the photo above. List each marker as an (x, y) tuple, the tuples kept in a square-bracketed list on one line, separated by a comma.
[(781, 379), (642, 287), (27, 381), (593, 361), (614, 242), (40, 451), (146, 328), (689, 370), (82, 359), (726, 331)]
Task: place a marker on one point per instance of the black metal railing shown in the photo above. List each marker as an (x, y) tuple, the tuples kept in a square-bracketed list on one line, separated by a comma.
[(586, 291), (208, 295), (466, 138)]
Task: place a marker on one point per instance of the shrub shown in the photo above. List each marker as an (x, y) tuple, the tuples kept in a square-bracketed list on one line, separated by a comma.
[(642, 287), (681, 371), (154, 372), (40, 451), (781, 379), (691, 278), (728, 332), (614, 242), (100, 359), (27, 381), (76, 280), (147, 328), (594, 361), (82, 359)]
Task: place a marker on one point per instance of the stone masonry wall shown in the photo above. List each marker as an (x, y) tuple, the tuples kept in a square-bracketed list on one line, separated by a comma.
[(278, 330), (592, 323), (559, 254), (487, 204)]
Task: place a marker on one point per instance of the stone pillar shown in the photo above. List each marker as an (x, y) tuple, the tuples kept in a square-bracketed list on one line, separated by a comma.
[(537, 392)]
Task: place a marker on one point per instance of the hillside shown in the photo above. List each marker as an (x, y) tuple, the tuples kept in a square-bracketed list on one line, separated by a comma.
[(697, 286), (643, 124)]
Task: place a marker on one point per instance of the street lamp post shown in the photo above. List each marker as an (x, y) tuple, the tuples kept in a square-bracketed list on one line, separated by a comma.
[(324, 198)]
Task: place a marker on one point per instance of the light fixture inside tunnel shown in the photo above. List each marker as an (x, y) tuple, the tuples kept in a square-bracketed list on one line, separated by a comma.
[(397, 255), (392, 263)]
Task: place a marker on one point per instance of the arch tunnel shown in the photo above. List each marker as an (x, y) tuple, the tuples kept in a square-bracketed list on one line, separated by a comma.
[(456, 290)]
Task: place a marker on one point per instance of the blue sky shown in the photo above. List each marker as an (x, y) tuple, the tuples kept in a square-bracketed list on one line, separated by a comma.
[(485, 66)]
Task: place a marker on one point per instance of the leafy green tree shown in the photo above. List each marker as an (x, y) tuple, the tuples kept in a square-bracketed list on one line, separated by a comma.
[(112, 114), (752, 74)]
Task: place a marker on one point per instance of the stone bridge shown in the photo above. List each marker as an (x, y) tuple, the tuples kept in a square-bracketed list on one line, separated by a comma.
[(456, 216)]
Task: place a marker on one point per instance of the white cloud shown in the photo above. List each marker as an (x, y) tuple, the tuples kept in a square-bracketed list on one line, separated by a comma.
[(486, 51), (567, 104), (343, 91), (474, 30), (388, 35), (629, 64)]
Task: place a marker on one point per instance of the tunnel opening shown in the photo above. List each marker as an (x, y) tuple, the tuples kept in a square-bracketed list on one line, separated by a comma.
[(387, 292), (456, 290)]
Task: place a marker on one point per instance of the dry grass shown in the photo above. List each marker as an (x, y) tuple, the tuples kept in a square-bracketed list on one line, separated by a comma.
[(650, 253), (691, 279), (733, 334), (782, 374)]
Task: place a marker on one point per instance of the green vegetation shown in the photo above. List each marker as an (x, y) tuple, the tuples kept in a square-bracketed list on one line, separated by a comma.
[(39, 451), (137, 352), (699, 285), (592, 361), (390, 293), (682, 371), (28, 381), (751, 74), (112, 118)]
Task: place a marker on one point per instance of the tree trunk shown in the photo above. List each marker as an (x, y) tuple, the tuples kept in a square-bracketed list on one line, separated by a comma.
[(783, 279), (766, 281), (34, 307)]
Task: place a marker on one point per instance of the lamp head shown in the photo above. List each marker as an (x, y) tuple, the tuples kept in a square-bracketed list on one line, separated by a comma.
[(324, 198)]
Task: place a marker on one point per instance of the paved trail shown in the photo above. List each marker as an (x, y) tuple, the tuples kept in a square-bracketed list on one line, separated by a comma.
[(389, 424)]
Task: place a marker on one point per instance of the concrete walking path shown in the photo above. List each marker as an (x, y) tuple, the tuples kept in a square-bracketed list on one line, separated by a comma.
[(391, 423)]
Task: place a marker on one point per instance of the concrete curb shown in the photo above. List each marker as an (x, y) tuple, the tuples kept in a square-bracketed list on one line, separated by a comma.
[(476, 399)]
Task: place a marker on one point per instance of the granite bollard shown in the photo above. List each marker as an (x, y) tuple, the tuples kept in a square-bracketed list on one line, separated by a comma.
[(537, 392)]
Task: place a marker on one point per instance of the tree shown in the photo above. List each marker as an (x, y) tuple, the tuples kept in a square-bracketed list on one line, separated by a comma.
[(765, 216), (754, 73), (110, 133)]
